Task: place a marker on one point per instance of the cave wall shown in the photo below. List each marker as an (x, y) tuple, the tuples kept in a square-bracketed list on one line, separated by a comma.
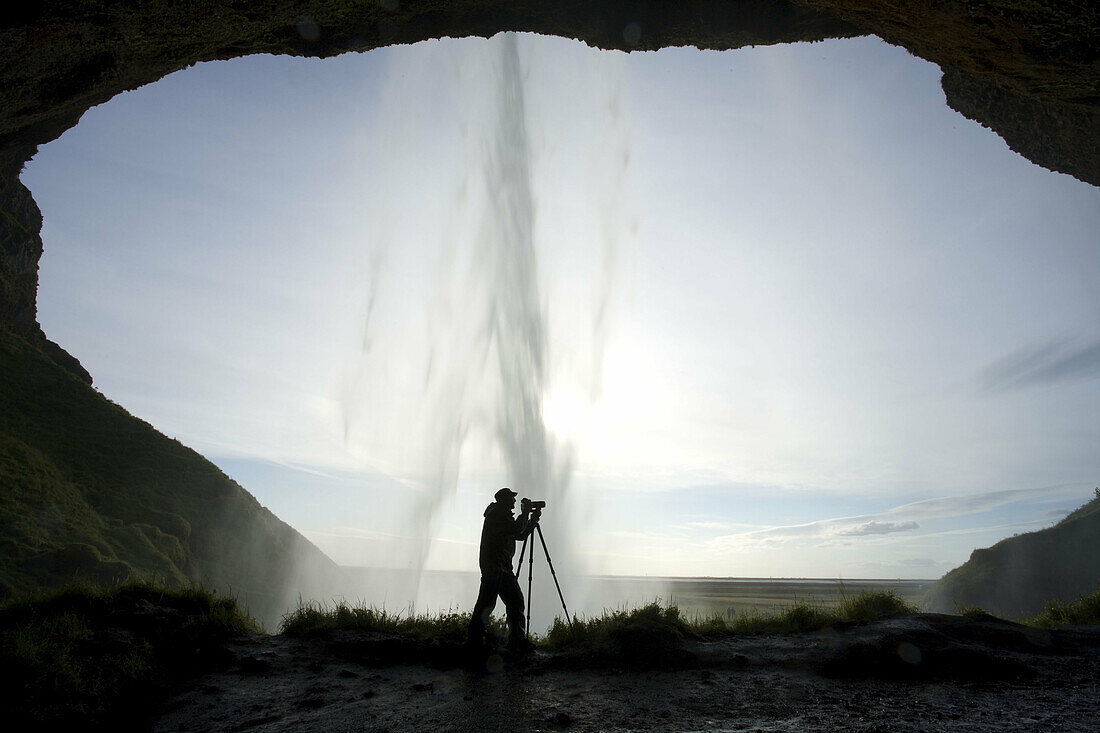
[(1028, 70)]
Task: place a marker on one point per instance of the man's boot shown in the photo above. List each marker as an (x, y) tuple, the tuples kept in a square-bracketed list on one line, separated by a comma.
[(520, 644)]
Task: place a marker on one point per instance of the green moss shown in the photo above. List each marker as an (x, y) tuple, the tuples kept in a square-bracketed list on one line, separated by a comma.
[(88, 657)]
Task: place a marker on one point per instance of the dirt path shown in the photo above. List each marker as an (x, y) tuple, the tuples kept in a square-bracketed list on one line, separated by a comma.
[(969, 676)]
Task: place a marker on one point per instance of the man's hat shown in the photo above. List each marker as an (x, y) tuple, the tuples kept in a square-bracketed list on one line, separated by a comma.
[(504, 493)]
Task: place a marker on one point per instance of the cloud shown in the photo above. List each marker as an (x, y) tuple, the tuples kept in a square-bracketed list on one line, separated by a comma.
[(868, 528), (907, 565), (1055, 361), (1020, 527), (901, 518), (953, 506), (360, 533), (717, 525), (644, 535), (917, 562)]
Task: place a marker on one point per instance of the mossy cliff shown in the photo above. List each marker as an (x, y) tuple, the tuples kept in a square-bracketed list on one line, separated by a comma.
[(89, 493), (1017, 576)]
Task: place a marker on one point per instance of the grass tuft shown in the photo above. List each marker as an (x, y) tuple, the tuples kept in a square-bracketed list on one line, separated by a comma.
[(793, 619), (662, 627), (652, 624), (652, 631), (313, 619), (972, 612), (874, 605), (1085, 611)]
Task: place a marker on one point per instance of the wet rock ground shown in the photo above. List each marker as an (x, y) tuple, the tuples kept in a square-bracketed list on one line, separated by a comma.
[(925, 672)]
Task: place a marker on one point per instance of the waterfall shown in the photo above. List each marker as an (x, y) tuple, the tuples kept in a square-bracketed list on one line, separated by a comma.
[(482, 363)]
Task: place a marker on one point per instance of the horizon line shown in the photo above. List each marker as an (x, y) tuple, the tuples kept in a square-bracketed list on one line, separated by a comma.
[(666, 577)]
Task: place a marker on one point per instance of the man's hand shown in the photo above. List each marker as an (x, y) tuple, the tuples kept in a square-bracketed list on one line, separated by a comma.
[(525, 506)]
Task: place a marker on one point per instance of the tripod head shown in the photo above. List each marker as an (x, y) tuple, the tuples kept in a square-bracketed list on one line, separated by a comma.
[(534, 508)]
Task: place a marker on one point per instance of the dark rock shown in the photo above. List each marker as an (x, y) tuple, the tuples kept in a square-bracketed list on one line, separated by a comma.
[(257, 722), (254, 665), (931, 646), (560, 719)]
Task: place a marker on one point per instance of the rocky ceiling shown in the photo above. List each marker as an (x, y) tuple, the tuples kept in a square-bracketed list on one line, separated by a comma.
[(1028, 69)]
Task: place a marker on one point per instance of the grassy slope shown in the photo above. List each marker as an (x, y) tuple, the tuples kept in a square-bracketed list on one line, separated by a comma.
[(1017, 576), (90, 493), (90, 660)]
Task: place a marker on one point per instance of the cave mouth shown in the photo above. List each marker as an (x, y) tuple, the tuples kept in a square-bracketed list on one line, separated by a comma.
[(877, 237)]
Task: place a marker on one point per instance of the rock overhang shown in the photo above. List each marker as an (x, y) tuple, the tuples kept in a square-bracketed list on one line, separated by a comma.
[(1029, 71)]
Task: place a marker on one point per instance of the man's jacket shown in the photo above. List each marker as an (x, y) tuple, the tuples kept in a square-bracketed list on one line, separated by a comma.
[(498, 538)]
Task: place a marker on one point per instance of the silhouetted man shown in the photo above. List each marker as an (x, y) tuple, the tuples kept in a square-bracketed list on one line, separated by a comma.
[(498, 547)]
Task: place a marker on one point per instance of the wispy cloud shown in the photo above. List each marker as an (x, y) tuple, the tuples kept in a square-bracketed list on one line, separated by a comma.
[(834, 543), (873, 527), (1030, 526), (360, 533), (906, 565), (1054, 361), (654, 536), (903, 518), (720, 526)]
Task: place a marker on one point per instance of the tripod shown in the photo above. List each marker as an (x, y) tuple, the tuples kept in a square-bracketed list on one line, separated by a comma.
[(530, 573)]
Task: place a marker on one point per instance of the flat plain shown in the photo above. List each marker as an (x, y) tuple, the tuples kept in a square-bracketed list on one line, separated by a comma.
[(731, 596)]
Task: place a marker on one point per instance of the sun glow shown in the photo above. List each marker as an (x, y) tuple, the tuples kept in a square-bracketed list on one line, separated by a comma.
[(564, 412)]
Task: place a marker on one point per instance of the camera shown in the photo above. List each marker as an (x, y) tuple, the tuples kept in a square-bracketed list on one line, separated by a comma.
[(533, 504)]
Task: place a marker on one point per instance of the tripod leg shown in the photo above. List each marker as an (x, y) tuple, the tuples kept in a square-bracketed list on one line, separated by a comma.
[(522, 549), (530, 574), (554, 574)]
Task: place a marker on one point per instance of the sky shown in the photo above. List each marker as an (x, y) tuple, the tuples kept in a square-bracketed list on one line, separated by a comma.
[(800, 319)]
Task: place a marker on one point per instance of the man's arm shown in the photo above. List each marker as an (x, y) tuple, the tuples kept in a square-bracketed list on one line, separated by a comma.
[(525, 522)]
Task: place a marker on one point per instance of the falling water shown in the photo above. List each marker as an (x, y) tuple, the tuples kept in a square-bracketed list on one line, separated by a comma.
[(485, 357), (518, 320)]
